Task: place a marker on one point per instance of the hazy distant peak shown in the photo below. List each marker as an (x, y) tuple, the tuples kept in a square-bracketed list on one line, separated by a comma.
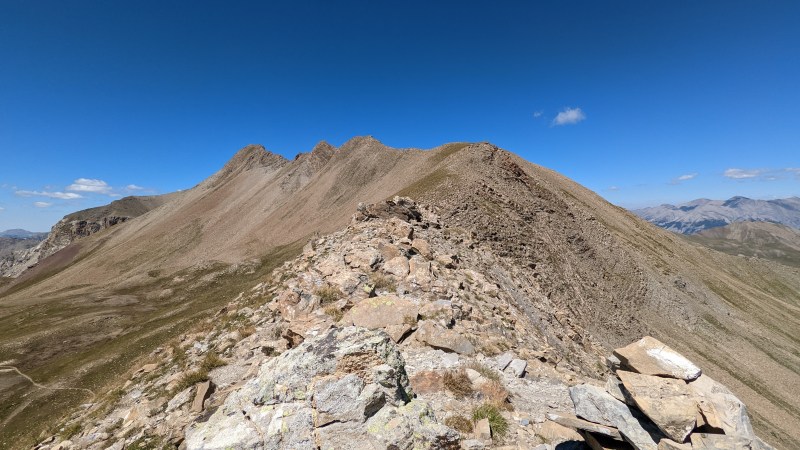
[(701, 214)]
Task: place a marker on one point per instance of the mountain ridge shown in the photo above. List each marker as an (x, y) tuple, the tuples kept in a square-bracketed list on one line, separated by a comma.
[(610, 276)]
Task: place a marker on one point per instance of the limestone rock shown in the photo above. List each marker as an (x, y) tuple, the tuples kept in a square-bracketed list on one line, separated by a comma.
[(669, 444), (517, 367), (568, 420), (200, 396), (397, 266), (443, 338), (502, 361), (720, 408), (382, 312), (650, 356), (483, 430), (596, 405), (703, 441), (346, 388), (666, 401), (422, 247)]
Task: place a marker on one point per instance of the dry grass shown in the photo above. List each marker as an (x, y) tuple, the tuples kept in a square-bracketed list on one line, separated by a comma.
[(335, 313), (495, 393), (328, 295), (381, 282), (459, 423), (486, 372), (457, 382)]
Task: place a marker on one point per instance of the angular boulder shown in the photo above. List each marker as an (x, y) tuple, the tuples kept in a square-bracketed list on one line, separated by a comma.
[(668, 402), (382, 312), (442, 338), (570, 421), (650, 356), (720, 408), (596, 405)]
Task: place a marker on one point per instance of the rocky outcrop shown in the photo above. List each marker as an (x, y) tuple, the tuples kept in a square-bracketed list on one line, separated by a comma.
[(346, 388), (680, 409)]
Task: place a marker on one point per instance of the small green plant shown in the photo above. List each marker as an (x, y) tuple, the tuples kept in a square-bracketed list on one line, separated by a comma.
[(457, 382), (459, 423), (335, 313), (497, 422), (328, 295)]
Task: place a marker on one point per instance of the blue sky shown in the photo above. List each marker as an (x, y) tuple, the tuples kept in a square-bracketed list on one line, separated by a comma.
[(642, 102)]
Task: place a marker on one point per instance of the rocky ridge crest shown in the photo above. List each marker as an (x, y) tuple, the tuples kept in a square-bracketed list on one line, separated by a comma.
[(391, 333)]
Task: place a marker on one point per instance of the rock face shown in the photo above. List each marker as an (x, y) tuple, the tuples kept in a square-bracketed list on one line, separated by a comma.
[(660, 412), (666, 401), (347, 388), (652, 357)]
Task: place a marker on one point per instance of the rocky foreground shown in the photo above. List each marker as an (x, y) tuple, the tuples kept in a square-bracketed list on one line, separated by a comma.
[(398, 333)]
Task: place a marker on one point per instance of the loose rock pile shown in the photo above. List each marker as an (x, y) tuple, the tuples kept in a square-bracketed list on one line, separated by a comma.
[(658, 400)]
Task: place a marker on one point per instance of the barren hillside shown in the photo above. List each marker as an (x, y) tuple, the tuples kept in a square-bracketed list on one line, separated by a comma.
[(87, 313)]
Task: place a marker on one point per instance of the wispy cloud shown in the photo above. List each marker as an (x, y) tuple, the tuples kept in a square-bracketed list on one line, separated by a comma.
[(58, 195), (537, 114), (794, 170), (613, 188), (682, 178), (89, 185), (133, 187), (2, 209), (42, 204), (569, 116), (743, 174)]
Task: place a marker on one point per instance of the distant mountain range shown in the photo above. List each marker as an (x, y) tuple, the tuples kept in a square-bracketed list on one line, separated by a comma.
[(22, 234), (702, 214)]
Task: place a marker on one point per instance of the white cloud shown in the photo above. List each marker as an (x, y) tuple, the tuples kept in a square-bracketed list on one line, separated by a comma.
[(89, 185), (58, 195), (2, 209), (133, 187), (613, 188), (742, 174), (687, 177), (42, 204), (569, 116), (794, 170), (537, 114)]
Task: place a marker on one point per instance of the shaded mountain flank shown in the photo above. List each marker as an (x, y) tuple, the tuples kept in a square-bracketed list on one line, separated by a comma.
[(702, 214), (582, 275), (76, 226)]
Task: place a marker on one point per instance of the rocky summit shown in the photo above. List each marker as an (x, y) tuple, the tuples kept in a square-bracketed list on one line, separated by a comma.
[(394, 334)]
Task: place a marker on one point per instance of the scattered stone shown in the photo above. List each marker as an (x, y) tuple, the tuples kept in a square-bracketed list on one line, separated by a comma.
[(422, 247), (502, 361), (650, 356), (382, 312), (596, 405), (669, 444), (570, 421), (203, 391), (666, 401), (179, 400), (517, 367), (483, 430), (720, 408), (397, 266), (441, 338)]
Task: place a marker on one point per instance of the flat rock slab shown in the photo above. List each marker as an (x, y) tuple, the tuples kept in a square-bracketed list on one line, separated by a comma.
[(570, 421), (382, 312), (203, 391), (669, 444), (668, 402), (517, 367), (650, 356), (596, 405), (442, 338), (703, 441)]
